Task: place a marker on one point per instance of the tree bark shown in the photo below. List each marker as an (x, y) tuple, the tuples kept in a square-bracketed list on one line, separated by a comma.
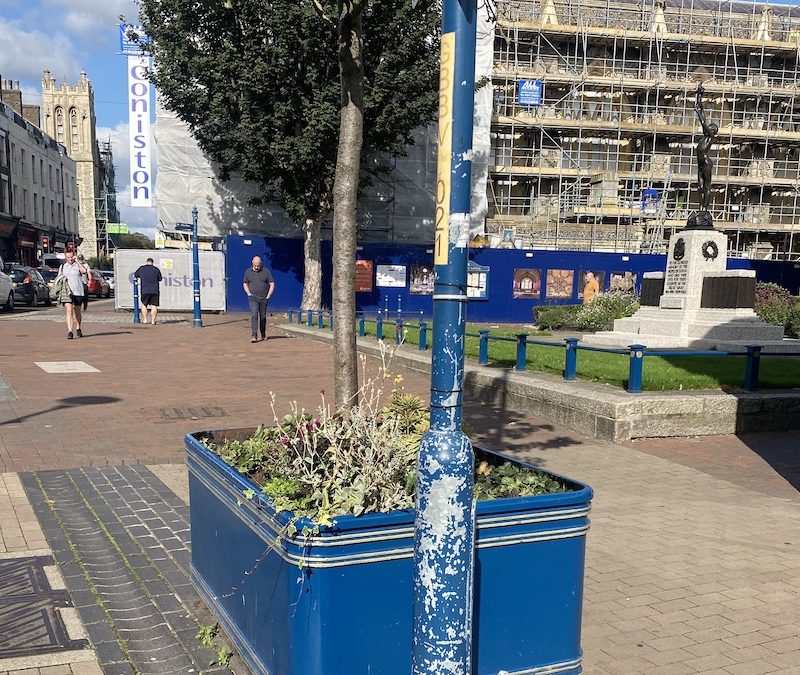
[(345, 196), (312, 278)]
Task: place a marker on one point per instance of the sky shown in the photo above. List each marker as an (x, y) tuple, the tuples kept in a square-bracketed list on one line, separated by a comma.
[(67, 36)]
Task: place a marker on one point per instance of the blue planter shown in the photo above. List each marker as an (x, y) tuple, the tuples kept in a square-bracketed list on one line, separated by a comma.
[(341, 604)]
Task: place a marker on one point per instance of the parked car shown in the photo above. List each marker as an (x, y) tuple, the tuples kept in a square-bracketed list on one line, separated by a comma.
[(6, 290), (108, 275), (30, 287), (98, 285)]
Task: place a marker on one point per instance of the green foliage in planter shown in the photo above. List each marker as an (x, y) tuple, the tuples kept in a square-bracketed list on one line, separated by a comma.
[(773, 303), (604, 309), (556, 317), (356, 462)]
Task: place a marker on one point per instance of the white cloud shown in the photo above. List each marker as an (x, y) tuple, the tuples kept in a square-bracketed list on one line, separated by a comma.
[(24, 53), (138, 219), (86, 17)]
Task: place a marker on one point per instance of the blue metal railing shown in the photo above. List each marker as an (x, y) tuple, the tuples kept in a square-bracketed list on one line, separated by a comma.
[(636, 353)]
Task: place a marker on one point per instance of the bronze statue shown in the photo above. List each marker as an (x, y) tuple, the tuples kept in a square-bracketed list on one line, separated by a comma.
[(702, 219)]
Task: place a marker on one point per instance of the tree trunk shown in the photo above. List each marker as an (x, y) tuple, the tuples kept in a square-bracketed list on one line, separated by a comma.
[(345, 196), (312, 278)]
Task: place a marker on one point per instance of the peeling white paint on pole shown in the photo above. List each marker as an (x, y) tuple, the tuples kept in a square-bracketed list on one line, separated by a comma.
[(459, 230)]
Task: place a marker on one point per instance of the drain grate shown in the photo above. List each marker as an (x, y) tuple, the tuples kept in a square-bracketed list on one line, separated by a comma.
[(192, 413), (29, 610)]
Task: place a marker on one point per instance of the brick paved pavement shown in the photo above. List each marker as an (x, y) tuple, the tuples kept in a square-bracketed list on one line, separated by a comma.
[(693, 560)]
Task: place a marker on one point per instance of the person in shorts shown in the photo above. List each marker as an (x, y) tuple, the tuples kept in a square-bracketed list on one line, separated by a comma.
[(74, 273), (149, 277)]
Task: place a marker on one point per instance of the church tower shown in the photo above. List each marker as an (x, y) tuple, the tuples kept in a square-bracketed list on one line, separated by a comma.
[(68, 116)]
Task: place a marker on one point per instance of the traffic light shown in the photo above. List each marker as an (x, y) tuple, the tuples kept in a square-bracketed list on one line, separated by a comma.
[(46, 244)]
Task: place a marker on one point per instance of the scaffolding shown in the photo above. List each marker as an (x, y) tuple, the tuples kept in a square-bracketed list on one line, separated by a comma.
[(105, 204), (605, 158)]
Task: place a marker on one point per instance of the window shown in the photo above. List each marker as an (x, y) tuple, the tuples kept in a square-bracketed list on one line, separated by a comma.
[(41, 171), (33, 168), (60, 125), (58, 180), (73, 125), (22, 161), (52, 212), (3, 153), (44, 213), (24, 203), (35, 208), (50, 176), (13, 157), (5, 206)]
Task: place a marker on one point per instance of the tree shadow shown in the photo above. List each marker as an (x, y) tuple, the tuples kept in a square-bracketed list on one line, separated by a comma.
[(64, 404)]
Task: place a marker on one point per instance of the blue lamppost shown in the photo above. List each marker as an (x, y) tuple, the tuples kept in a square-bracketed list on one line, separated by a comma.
[(198, 320), (445, 524)]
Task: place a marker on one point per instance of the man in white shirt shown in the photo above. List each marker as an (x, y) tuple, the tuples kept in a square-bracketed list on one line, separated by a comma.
[(74, 273)]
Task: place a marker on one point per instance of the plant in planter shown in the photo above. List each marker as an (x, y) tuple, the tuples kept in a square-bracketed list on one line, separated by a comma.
[(302, 545)]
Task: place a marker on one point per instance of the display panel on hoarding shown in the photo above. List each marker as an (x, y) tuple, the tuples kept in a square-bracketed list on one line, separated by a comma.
[(582, 281), (623, 282), (176, 270), (527, 283), (363, 281), (422, 277), (392, 276), (477, 281), (560, 283)]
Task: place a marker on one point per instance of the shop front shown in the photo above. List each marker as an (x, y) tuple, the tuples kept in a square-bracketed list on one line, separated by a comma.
[(8, 238), (28, 244)]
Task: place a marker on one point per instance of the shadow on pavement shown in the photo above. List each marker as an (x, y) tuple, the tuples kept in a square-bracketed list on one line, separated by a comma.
[(780, 451), (65, 403)]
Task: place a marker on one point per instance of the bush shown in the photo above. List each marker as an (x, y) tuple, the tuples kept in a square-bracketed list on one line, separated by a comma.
[(555, 317), (601, 312), (793, 325), (773, 303)]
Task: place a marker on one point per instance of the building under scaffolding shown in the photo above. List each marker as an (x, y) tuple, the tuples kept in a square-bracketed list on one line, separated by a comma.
[(594, 129)]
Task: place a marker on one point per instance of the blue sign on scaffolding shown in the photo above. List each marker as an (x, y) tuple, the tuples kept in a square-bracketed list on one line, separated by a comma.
[(529, 92), (132, 39)]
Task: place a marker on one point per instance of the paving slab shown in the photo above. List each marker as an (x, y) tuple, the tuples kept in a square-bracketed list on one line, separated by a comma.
[(693, 559)]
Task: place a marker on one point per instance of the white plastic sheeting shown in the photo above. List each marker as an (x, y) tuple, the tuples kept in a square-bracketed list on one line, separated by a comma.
[(398, 206)]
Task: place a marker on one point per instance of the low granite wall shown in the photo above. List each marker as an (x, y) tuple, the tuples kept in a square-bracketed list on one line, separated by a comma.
[(603, 411)]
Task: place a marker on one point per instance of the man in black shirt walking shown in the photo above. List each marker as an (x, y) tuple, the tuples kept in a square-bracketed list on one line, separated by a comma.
[(149, 277), (259, 287)]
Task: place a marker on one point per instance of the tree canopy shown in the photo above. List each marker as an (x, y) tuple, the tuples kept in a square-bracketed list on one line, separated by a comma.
[(257, 82)]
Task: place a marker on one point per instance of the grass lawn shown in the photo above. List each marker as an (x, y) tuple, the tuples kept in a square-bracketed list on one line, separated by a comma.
[(659, 373)]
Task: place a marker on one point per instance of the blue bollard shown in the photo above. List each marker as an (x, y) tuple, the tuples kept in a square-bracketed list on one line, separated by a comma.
[(291, 316), (635, 369), (310, 321), (399, 312), (570, 358), (483, 348), (522, 351), (423, 336), (752, 366), (136, 315), (362, 328), (197, 321), (398, 332), (379, 327), (299, 316), (320, 320), (330, 319)]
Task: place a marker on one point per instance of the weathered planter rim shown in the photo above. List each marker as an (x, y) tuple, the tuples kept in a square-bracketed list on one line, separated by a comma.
[(351, 524)]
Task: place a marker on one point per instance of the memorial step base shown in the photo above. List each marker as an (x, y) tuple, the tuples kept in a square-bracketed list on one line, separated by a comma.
[(652, 341)]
